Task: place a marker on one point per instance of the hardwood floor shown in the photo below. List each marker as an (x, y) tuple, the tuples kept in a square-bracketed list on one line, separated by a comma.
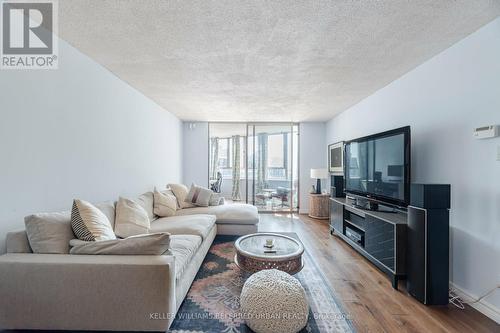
[(366, 293)]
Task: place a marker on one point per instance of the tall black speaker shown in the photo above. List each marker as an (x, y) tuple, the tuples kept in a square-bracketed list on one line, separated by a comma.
[(337, 186), (427, 261)]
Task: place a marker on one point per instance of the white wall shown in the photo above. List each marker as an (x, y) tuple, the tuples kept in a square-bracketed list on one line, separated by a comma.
[(443, 100), (78, 132), (195, 153), (312, 155)]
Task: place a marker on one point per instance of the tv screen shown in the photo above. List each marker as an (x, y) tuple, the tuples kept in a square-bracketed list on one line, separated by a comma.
[(378, 166)]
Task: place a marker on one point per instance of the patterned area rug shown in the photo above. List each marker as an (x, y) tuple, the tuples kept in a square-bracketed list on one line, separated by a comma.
[(212, 303)]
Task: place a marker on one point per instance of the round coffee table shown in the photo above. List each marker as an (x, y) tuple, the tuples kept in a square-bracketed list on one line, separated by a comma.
[(252, 255)]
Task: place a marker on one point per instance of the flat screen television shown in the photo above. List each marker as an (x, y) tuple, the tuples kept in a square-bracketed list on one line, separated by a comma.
[(377, 167)]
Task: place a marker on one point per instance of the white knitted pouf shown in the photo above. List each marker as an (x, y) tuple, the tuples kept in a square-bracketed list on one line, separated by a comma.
[(273, 301)]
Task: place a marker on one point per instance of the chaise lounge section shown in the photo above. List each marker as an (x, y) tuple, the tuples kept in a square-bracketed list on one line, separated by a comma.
[(231, 219)]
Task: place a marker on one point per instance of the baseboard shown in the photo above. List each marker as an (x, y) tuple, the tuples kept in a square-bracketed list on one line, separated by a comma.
[(488, 309)]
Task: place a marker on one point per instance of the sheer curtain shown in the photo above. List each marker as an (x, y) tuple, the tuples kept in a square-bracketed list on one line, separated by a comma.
[(236, 167), (214, 157), (261, 162)]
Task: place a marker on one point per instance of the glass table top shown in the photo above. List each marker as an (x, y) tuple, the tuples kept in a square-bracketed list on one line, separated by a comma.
[(254, 245)]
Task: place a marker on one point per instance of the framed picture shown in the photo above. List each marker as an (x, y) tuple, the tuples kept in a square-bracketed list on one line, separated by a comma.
[(336, 158)]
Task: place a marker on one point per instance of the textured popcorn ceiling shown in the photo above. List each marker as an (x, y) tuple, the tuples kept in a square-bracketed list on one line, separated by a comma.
[(265, 60)]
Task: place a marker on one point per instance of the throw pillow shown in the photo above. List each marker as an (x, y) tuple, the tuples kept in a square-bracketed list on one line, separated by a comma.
[(151, 244), (109, 209), (165, 203), (181, 192), (146, 200), (89, 223), (49, 232), (131, 219), (199, 196), (216, 200)]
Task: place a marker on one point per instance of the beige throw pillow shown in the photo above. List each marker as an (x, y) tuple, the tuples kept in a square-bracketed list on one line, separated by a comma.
[(49, 232), (165, 203), (199, 196), (131, 219), (181, 191), (146, 201), (89, 223)]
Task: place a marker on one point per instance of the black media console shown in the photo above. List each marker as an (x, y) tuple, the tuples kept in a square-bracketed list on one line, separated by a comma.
[(378, 236)]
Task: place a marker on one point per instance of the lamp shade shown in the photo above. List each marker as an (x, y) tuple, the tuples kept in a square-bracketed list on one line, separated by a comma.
[(319, 173)]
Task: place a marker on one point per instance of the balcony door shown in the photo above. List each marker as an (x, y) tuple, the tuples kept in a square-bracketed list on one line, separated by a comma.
[(272, 173), (227, 160), (255, 163)]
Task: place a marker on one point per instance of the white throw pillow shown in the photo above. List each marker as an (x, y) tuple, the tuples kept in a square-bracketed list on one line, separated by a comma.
[(89, 223), (181, 192), (199, 196), (216, 200), (165, 203), (131, 219)]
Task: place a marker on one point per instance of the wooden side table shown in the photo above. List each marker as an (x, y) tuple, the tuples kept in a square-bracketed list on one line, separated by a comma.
[(319, 206)]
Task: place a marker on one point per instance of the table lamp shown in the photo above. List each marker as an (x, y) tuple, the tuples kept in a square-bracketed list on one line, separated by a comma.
[(319, 174)]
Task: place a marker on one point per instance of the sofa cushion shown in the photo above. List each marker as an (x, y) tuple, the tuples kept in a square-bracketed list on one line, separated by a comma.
[(198, 225), (146, 200), (199, 195), (131, 219), (181, 191), (183, 248), (151, 244), (89, 223), (49, 232), (227, 214)]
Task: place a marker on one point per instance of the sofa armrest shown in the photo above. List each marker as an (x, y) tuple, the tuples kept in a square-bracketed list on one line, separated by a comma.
[(17, 242), (87, 292)]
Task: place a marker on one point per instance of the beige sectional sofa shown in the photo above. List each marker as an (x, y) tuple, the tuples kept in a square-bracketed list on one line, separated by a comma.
[(113, 292)]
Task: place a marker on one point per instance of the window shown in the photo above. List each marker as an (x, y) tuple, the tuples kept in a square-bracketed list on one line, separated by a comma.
[(276, 151), (224, 153), (268, 163), (225, 157)]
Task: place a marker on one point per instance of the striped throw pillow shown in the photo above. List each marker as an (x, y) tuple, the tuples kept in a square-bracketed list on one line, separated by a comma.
[(89, 223), (199, 196)]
